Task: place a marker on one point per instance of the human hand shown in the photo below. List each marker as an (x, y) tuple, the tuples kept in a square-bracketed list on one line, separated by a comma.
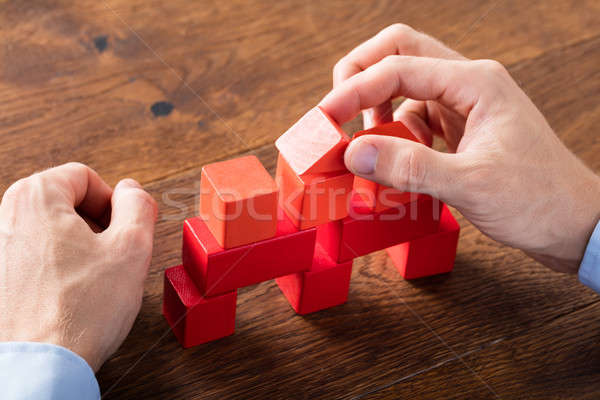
[(60, 281), (510, 175)]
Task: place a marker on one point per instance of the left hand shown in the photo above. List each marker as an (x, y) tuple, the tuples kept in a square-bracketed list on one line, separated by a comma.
[(64, 280)]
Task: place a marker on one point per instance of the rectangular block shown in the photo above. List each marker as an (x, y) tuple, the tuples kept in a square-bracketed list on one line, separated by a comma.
[(378, 197), (313, 199), (429, 255), (314, 144), (360, 234), (325, 285), (193, 318), (238, 201), (217, 270)]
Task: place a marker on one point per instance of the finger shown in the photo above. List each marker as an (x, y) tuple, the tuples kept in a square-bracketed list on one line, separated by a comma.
[(405, 165), (378, 115), (397, 39), (413, 114), (131, 228), (446, 81), (80, 187), (132, 208)]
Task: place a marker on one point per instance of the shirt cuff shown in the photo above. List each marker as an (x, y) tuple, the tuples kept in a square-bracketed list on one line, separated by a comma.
[(43, 371), (589, 270)]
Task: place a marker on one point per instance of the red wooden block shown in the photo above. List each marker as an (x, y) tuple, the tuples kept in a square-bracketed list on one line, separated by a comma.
[(360, 234), (379, 197), (216, 270), (314, 144), (430, 255), (325, 285), (238, 201), (193, 318), (313, 199)]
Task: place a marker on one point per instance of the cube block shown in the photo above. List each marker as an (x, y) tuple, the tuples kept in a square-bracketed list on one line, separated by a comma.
[(430, 255), (325, 285), (216, 270), (238, 201), (379, 197), (360, 234), (193, 318), (314, 144), (313, 199)]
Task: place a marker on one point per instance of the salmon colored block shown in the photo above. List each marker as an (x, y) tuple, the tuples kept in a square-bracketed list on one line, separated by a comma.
[(360, 233), (238, 201), (313, 199), (325, 285), (379, 197), (216, 270), (314, 144), (193, 318), (430, 255)]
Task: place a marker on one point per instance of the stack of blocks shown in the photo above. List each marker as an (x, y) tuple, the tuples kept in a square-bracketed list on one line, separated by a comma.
[(304, 229)]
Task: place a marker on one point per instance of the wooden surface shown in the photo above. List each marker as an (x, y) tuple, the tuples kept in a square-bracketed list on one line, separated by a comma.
[(81, 81)]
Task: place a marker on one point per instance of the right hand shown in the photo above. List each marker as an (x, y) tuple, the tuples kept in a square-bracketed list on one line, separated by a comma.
[(510, 175)]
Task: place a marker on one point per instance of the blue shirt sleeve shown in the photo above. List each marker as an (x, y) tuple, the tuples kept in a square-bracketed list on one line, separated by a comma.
[(589, 270), (42, 371)]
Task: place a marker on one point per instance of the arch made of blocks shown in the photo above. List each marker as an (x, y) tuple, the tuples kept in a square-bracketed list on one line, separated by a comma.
[(251, 230)]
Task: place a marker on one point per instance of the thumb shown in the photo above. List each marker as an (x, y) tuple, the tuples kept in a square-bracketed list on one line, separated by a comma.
[(133, 211), (405, 165)]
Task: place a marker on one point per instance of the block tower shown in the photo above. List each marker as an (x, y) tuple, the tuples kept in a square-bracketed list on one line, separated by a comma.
[(302, 229)]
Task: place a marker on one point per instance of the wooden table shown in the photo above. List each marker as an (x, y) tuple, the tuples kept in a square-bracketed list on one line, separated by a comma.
[(78, 81)]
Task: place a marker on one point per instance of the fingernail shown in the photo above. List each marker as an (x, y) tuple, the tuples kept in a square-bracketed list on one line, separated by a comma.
[(129, 184), (364, 159)]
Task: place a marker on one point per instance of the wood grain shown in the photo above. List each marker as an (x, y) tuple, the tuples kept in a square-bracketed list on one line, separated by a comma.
[(79, 80)]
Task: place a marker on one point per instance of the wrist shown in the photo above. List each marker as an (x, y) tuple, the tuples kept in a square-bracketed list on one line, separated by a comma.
[(574, 220)]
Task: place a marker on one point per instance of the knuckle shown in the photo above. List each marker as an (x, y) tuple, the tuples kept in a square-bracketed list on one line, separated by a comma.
[(339, 66), (409, 169), (390, 60), (492, 68), (18, 188), (399, 30), (21, 190), (76, 165), (405, 38)]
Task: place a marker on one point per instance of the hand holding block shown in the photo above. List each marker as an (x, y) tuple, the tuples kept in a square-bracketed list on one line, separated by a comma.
[(430, 255), (325, 285), (238, 200), (379, 197), (313, 199), (360, 234), (195, 319), (217, 270), (314, 144)]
